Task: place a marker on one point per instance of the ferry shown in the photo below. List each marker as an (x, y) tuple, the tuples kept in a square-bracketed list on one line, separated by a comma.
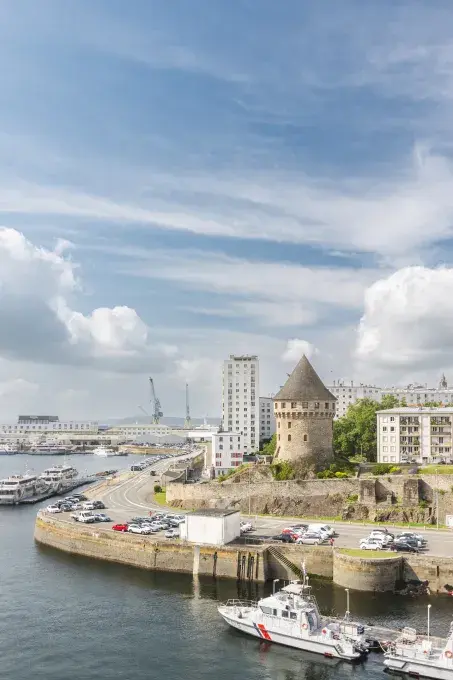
[(57, 474), (291, 617), (102, 451), (421, 656), (49, 449), (17, 488)]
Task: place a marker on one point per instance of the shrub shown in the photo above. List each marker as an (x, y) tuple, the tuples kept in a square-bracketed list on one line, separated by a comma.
[(341, 475), (395, 470), (157, 488), (441, 491), (326, 474), (382, 469), (423, 505), (352, 498), (282, 471)]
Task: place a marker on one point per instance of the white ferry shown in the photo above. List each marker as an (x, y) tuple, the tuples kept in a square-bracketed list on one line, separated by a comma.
[(102, 451), (421, 656), (57, 474), (6, 450), (291, 617), (18, 488)]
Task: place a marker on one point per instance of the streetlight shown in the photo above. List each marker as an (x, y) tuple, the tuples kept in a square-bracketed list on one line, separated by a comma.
[(429, 607), (347, 605)]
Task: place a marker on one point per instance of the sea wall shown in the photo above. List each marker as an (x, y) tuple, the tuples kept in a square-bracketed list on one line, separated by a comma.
[(245, 562), (376, 575)]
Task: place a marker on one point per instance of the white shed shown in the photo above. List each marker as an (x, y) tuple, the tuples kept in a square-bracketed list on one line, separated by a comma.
[(211, 527)]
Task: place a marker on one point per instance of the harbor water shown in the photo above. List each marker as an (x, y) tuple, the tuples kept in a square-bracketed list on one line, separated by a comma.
[(63, 616)]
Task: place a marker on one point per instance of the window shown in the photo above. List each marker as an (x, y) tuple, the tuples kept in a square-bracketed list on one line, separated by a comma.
[(283, 404), (392, 419), (278, 437), (285, 614), (384, 429), (289, 424), (278, 424), (305, 437), (392, 429), (293, 404), (386, 459), (289, 437), (292, 615), (385, 448), (305, 404), (316, 404), (326, 406)]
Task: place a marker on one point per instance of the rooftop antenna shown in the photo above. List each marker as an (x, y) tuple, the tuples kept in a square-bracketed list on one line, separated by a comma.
[(188, 420)]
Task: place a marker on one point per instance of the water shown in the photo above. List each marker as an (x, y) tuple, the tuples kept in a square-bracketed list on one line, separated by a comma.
[(68, 617)]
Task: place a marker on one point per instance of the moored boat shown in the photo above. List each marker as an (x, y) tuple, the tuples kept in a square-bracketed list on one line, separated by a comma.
[(291, 617), (18, 488)]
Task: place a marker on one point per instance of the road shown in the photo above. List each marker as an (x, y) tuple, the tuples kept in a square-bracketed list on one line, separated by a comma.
[(133, 496)]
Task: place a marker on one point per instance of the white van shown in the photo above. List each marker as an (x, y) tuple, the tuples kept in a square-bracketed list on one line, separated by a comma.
[(324, 530), (85, 516)]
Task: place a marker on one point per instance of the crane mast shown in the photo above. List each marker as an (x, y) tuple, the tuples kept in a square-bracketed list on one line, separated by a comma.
[(188, 420), (157, 409)]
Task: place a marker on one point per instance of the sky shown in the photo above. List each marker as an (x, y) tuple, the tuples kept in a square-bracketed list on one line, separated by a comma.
[(181, 181)]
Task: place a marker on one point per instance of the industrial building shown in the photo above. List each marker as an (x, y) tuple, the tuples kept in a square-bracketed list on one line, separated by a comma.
[(211, 527)]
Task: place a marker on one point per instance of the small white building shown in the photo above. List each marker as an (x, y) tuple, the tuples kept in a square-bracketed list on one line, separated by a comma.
[(267, 418), (211, 527), (411, 434), (227, 451)]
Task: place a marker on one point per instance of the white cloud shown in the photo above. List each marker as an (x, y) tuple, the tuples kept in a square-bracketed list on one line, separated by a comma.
[(37, 290), (296, 347), (408, 321)]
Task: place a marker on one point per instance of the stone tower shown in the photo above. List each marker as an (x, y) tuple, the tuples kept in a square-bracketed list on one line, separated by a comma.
[(304, 411)]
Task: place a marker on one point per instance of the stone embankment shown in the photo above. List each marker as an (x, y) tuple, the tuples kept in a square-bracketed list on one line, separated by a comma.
[(242, 562), (393, 498)]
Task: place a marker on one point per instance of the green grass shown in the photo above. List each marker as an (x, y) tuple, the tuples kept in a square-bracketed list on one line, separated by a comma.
[(436, 469), (366, 554), (161, 497)]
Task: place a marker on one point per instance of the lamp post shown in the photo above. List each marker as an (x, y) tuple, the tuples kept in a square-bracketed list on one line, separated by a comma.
[(347, 605), (429, 608)]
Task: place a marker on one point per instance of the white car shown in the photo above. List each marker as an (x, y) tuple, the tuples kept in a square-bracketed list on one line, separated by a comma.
[(384, 536), (53, 508), (246, 526), (172, 533), (371, 544), (137, 529), (89, 505)]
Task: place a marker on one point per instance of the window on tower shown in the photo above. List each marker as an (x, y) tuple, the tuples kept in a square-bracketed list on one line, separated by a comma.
[(305, 437), (289, 437)]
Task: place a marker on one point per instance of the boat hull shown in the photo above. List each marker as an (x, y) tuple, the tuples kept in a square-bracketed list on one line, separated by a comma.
[(268, 635), (418, 668)]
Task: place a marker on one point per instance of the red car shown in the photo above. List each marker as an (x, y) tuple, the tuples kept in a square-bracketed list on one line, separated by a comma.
[(120, 527)]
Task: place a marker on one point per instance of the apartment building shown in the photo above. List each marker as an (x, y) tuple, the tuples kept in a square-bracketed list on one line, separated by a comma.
[(227, 451), (347, 393), (411, 434), (267, 418), (240, 401)]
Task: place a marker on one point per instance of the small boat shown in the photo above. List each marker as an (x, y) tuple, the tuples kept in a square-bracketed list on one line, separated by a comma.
[(291, 617), (421, 656), (7, 450), (103, 451)]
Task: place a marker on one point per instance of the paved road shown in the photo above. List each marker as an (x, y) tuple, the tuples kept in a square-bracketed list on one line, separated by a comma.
[(133, 496)]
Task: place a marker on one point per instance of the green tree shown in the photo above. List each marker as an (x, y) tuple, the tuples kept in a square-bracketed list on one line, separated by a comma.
[(270, 446), (433, 404), (388, 401)]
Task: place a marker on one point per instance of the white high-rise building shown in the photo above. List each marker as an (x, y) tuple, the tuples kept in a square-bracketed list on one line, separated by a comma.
[(410, 434), (267, 418), (240, 402)]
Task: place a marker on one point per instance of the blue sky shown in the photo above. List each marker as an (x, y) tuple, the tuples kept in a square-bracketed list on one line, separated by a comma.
[(237, 175)]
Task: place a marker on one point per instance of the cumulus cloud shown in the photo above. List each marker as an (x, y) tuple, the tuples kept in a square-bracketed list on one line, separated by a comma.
[(38, 288), (296, 347), (408, 320)]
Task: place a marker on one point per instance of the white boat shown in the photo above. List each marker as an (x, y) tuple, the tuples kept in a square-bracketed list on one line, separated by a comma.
[(17, 488), (57, 474), (102, 451), (6, 450), (49, 448), (291, 617), (421, 656)]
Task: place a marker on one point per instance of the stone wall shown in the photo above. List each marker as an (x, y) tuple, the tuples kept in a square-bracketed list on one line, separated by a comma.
[(376, 575), (318, 561), (245, 561), (304, 432)]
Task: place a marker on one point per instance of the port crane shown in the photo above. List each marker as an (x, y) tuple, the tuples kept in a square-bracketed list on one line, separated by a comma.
[(157, 412)]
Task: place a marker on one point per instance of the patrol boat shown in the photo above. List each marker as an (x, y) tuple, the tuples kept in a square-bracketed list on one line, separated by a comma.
[(421, 656), (291, 617)]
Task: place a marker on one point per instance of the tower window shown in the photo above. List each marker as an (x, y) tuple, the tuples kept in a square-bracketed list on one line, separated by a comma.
[(289, 424), (289, 437), (305, 437), (316, 404), (293, 404), (305, 404), (283, 404), (278, 437), (326, 406)]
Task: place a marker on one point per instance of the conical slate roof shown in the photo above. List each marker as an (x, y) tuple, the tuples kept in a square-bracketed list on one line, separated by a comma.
[(304, 384)]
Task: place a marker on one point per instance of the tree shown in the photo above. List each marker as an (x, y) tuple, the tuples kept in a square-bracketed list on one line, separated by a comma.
[(432, 404), (388, 401), (270, 446)]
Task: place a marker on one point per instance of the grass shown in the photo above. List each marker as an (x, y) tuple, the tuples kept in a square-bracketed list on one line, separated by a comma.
[(161, 498), (366, 554), (436, 469), (364, 522)]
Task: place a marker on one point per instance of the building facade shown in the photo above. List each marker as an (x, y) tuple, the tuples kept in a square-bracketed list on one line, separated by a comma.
[(267, 419), (227, 452), (304, 412), (418, 435), (240, 399), (347, 393)]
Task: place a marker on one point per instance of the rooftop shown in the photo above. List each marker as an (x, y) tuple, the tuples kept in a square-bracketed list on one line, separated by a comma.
[(419, 409), (304, 384), (213, 512)]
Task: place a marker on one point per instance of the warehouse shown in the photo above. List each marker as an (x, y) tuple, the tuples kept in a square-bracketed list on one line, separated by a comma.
[(211, 527)]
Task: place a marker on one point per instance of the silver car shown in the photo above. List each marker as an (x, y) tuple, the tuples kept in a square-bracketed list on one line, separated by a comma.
[(310, 539)]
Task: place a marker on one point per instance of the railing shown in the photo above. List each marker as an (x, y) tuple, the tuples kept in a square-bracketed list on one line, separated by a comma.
[(241, 603)]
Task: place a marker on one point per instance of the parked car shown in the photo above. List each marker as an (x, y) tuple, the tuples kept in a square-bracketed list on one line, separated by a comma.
[(98, 505), (66, 507), (172, 533), (53, 509), (120, 527), (139, 529), (324, 529), (79, 496), (382, 535), (401, 546), (284, 538), (371, 544), (410, 536), (89, 505), (410, 540), (84, 516), (101, 517), (310, 539)]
